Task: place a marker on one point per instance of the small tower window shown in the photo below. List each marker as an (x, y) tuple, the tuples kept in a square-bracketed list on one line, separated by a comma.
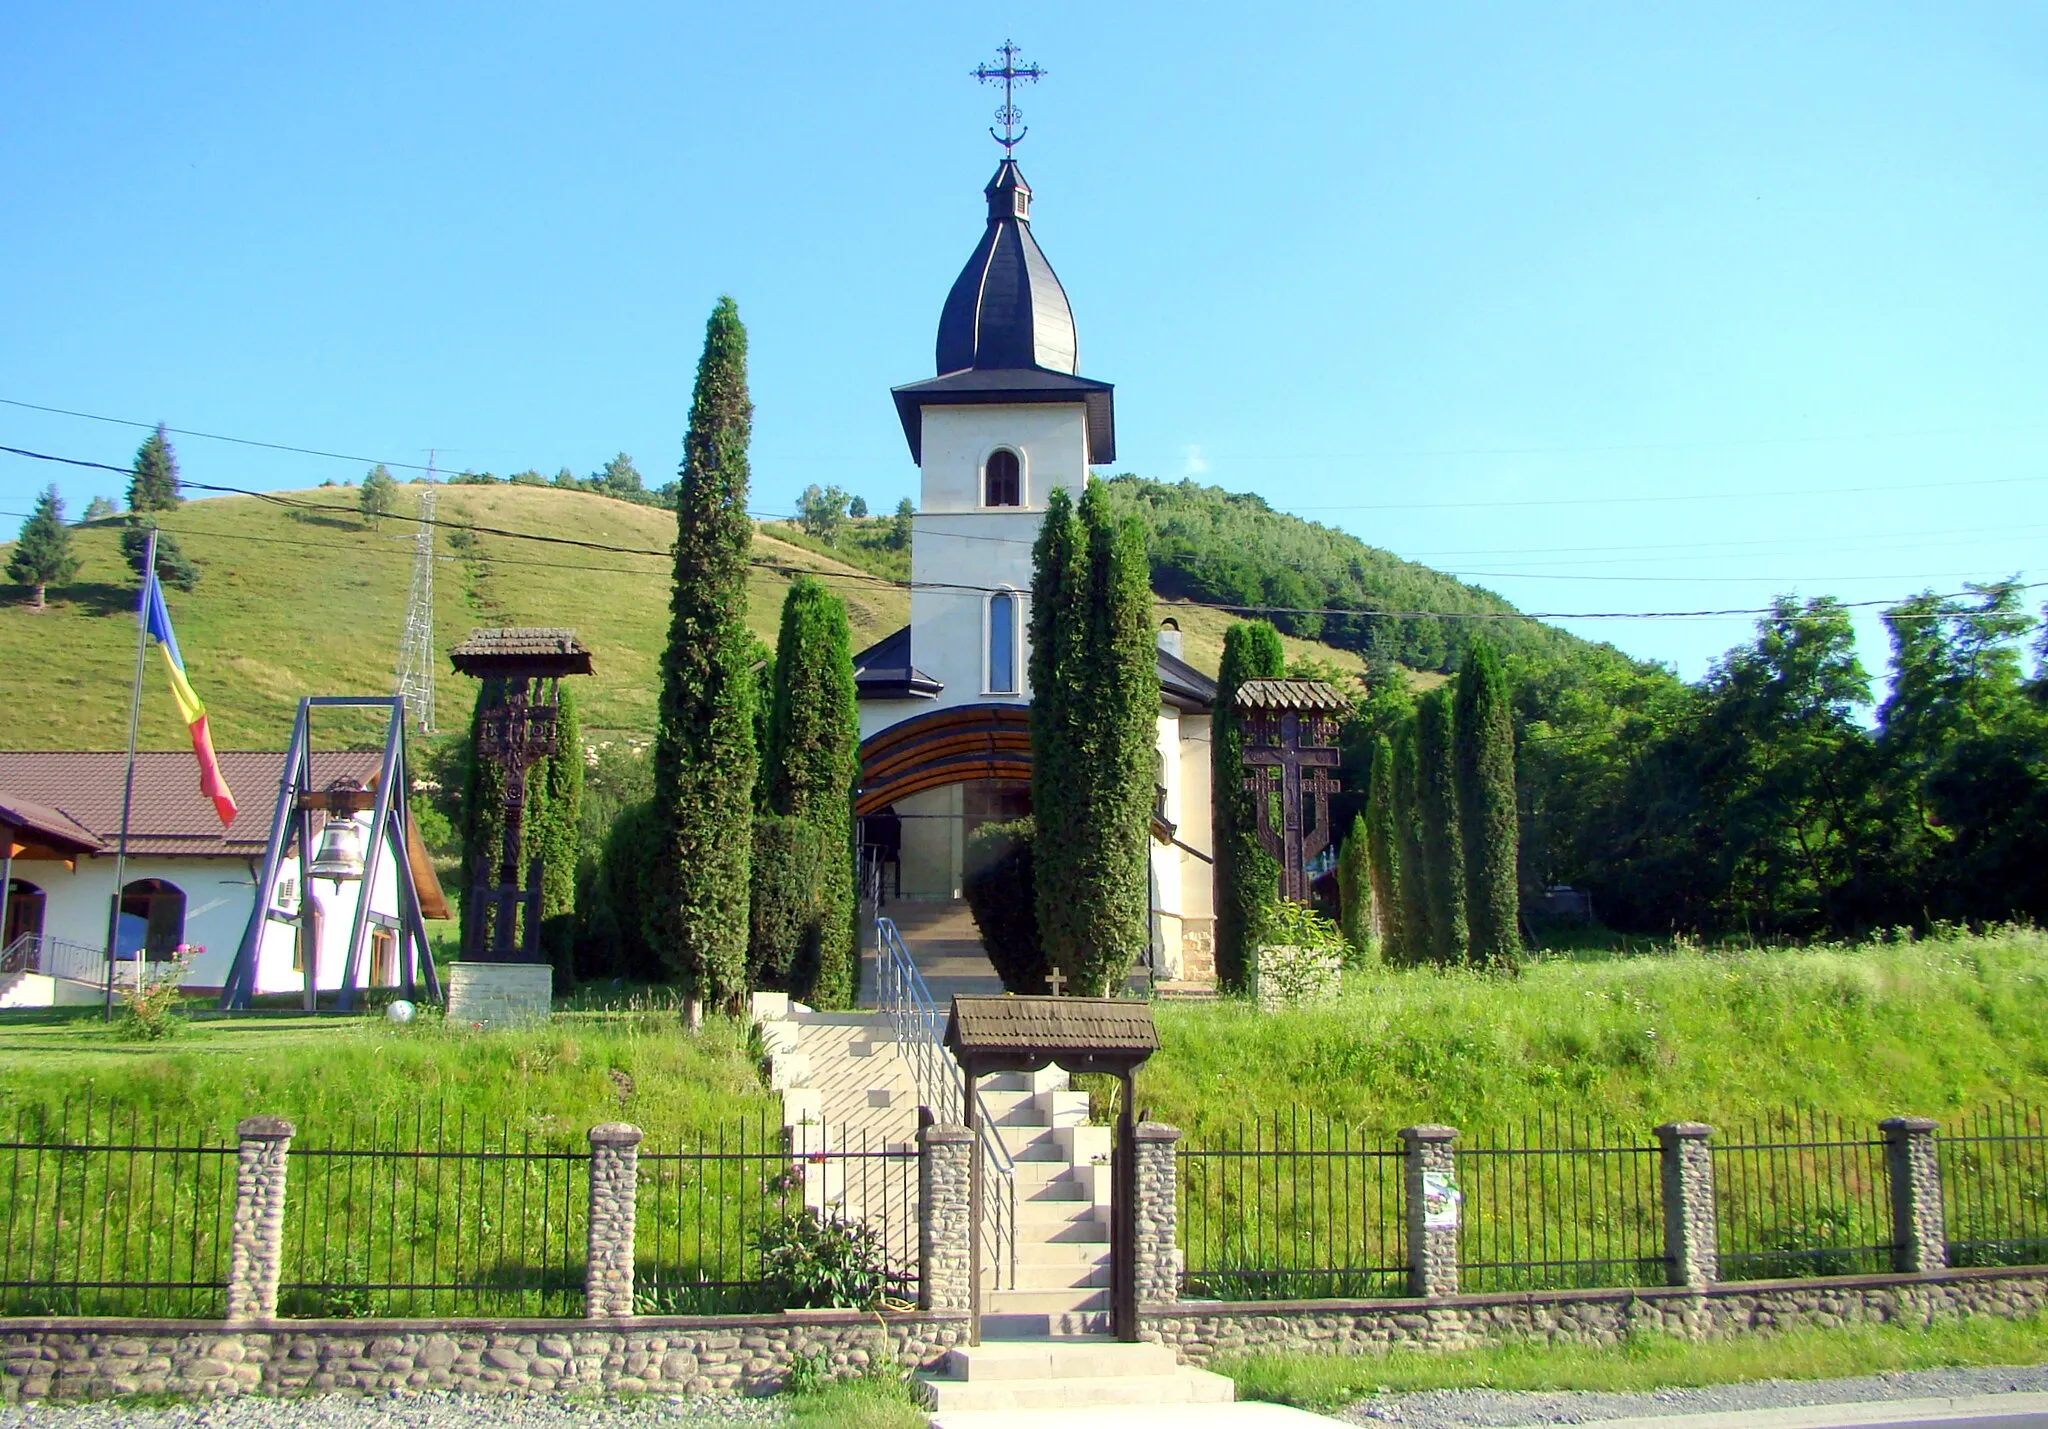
[(1002, 480), (1002, 642)]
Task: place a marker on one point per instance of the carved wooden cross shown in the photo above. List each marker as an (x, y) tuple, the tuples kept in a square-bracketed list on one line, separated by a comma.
[(1056, 980), (1277, 761)]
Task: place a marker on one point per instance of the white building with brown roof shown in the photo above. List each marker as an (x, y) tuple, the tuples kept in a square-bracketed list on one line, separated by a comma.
[(188, 884)]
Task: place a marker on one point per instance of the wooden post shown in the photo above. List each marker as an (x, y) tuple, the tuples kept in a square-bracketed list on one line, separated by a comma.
[(1123, 1250), (976, 1191)]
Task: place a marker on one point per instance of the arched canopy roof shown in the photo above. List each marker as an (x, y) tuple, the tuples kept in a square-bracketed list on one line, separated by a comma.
[(948, 746)]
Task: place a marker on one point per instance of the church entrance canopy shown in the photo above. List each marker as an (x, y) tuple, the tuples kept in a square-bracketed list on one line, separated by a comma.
[(960, 745)]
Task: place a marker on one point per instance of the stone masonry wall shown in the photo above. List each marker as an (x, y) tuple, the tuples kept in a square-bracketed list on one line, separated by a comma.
[(1158, 1248), (93, 1359), (499, 994), (1202, 1331)]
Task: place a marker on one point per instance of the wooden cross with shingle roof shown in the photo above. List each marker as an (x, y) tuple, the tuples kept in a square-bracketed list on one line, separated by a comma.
[(1290, 738)]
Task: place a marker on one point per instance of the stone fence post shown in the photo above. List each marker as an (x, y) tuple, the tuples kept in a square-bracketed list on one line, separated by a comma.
[(945, 1256), (256, 1250), (614, 1192), (1919, 1222), (1434, 1206), (1158, 1249), (1692, 1238)]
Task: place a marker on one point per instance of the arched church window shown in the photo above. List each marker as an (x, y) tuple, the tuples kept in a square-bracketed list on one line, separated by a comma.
[(1002, 643), (1002, 480), (152, 919)]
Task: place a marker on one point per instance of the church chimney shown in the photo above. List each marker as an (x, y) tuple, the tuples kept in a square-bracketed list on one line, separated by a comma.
[(1169, 638)]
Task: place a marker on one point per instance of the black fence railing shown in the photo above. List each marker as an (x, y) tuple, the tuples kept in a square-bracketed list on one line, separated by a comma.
[(1994, 1185), (1299, 1207), (106, 1212), (433, 1215), (1801, 1193), (1559, 1203), (706, 1213)]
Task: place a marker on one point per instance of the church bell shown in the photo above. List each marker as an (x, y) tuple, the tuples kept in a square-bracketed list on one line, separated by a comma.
[(340, 855)]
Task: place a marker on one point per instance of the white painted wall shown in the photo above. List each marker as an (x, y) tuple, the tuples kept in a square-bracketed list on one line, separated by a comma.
[(958, 542), (218, 894)]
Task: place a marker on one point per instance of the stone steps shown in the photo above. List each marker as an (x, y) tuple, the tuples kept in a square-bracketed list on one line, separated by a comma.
[(1052, 1373)]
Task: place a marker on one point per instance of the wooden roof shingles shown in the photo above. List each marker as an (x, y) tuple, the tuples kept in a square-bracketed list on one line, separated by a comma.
[(1288, 695), (986, 1030)]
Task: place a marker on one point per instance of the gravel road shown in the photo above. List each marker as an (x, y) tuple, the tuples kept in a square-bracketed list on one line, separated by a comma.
[(1496, 1409), (407, 1411)]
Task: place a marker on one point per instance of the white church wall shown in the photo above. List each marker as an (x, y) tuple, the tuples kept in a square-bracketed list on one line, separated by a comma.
[(1050, 438)]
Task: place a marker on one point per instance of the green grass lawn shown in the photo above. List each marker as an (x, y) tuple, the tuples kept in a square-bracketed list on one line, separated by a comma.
[(322, 1072), (1643, 1362), (1929, 1027)]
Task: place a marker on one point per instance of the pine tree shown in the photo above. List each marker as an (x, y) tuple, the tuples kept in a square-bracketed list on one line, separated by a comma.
[(1485, 739), (153, 487), (42, 552), (812, 765), (899, 525), (1094, 711), (98, 509), (1247, 877), (704, 753), (1443, 844), (153, 483), (1412, 887), (1383, 853), (1354, 889)]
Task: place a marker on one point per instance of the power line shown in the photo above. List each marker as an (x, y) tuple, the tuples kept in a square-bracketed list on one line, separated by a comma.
[(866, 578)]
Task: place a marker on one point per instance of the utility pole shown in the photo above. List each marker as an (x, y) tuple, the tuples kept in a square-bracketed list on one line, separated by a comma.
[(416, 647)]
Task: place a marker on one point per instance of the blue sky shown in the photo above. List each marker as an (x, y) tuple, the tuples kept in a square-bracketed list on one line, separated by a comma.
[(1607, 307)]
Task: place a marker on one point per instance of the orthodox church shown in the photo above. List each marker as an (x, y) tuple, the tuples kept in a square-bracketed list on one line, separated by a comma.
[(945, 742)]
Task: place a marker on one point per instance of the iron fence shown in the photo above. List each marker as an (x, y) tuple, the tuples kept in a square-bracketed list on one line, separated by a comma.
[(707, 1214), (1800, 1194), (1300, 1207), (1559, 1203), (414, 1215), (1994, 1186), (105, 1212)]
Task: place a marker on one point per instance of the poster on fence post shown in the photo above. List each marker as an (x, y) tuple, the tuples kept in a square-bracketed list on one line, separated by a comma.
[(1440, 1201)]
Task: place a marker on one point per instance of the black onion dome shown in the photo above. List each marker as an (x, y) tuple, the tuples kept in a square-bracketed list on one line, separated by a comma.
[(1007, 309)]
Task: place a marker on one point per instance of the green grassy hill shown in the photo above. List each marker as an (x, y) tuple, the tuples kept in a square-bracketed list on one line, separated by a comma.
[(295, 602)]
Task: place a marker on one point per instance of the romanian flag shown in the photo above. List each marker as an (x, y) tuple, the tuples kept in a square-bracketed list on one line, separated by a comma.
[(158, 619)]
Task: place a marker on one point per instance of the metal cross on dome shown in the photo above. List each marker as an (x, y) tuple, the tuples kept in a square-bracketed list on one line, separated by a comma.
[(1009, 114)]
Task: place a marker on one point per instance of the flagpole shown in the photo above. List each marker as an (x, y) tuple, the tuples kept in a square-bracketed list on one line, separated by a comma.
[(128, 793)]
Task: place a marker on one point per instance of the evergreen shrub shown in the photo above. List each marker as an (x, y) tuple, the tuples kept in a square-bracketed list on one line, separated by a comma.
[(1002, 895), (783, 914)]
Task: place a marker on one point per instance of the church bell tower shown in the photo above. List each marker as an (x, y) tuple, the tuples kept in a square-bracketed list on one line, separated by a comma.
[(1007, 419)]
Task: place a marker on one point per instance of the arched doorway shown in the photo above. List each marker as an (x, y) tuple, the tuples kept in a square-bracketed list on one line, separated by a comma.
[(25, 905), (152, 920)]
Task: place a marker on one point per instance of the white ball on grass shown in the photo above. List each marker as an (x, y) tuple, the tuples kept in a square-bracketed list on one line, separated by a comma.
[(400, 1011)]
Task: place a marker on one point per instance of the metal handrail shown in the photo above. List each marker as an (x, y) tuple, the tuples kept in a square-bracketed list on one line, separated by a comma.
[(55, 957), (901, 992)]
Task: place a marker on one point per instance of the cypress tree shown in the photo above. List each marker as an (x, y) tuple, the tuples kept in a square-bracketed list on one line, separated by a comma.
[(1354, 888), (704, 752), (1095, 760), (813, 762), (1383, 852), (1058, 616), (1247, 877), (1443, 844), (1485, 740), (42, 553), (1418, 937)]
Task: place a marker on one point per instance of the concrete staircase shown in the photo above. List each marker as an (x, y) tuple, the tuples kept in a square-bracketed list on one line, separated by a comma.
[(847, 1087), (1065, 1374)]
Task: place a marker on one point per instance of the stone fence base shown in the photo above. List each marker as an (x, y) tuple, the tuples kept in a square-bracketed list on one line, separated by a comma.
[(751, 1354), (1202, 1330)]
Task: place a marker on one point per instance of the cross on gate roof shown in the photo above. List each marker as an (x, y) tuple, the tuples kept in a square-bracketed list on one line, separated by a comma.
[(521, 650)]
